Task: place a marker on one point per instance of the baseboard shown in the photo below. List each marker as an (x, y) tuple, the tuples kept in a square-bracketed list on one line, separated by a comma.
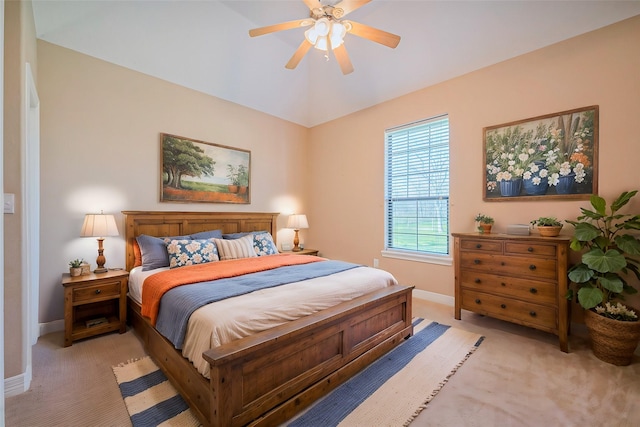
[(16, 385), (49, 327), (434, 297)]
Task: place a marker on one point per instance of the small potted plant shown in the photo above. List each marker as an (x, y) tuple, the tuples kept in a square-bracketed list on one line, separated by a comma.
[(548, 226), (75, 267), (484, 223), (610, 261)]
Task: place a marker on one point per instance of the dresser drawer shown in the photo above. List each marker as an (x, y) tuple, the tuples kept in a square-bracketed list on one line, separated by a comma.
[(524, 313), (481, 246), (536, 268), (97, 292), (529, 249), (524, 289)]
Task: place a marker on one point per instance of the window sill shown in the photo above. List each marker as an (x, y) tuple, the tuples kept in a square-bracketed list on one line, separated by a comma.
[(413, 256)]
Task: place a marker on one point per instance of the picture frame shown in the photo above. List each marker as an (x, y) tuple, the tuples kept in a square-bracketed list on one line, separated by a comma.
[(554, 156), (193, 171)]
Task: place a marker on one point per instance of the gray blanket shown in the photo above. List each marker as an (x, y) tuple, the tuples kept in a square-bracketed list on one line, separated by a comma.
[(177, 304)]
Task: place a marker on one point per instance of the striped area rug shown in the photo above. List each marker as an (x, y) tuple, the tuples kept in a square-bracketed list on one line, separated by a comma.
[(150, 398), (390, 392), (397, 387)]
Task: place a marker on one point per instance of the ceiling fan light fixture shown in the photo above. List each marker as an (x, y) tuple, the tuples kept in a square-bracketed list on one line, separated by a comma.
[(322, 26), (311, 35), (322, 43)]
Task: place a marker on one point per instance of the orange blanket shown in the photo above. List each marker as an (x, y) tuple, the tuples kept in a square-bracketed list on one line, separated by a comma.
[(157, 284)]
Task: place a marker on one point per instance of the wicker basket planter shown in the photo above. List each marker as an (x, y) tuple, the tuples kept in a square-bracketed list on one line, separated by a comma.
[(549, 230), (612, 341)]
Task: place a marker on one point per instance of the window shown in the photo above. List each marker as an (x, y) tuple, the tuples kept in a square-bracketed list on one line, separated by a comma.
[(417, 189)]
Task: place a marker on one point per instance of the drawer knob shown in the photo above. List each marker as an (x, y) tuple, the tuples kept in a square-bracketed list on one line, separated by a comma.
[(532, 267), (477, 280), (502, 263), (530, 249), (533, 290), (503, 306), (478, 246), (477, 300), (532, 313), (98, 291), (476, 261), (503, 284)]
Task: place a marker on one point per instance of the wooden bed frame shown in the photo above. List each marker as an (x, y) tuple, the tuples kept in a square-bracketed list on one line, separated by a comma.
[(267, 378)]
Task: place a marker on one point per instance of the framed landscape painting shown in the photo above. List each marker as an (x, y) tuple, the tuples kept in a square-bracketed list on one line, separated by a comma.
[(202, 172), (547, 157)]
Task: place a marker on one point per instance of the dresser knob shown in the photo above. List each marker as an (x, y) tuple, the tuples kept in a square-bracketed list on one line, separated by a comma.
[(503, 306), (478, 246), (532, 267), (477, 280), (477, 300), (98, 291), (476, 261), (530, 249), (533, 290), (532, 313), (503, 284), (502, 263)]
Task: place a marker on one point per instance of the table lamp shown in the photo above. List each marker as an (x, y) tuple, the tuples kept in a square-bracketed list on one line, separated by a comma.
[(297, 222), (100, 226)]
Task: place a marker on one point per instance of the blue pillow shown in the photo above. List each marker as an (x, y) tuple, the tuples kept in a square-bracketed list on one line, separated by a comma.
[(217, 234), (184, 252), (154, 251), (239, 235), (263, 244)]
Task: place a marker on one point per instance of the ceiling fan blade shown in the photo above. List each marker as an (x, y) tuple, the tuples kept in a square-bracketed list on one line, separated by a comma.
[(280, 27), (313, 4), (343, 59), (373, 34), (299, 54), (345, 7)]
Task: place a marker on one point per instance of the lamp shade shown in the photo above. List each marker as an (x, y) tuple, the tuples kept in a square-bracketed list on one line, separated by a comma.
[(99, 225), (297, 222)]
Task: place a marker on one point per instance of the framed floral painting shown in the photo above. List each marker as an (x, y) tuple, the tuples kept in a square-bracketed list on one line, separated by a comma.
[(551, 156)]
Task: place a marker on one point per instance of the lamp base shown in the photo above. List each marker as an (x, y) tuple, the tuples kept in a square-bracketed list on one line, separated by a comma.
[(101, 270)]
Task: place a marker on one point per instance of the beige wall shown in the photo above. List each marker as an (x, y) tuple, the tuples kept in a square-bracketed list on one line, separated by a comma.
[(346, 176), (100, 151), (19, 48)]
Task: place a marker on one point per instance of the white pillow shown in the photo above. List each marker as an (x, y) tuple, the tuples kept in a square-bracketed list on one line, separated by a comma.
[(236, 248)]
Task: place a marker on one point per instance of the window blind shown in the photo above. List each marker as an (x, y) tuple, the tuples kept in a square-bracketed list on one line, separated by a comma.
[(417, 186)]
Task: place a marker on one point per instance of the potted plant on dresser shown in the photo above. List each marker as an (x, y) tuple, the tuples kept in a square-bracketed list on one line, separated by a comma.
[(75, 267), (485, 222), (548, 226), (610, 260)]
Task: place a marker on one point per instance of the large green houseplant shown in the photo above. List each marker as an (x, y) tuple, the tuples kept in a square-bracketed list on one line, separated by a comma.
[(610, 262)]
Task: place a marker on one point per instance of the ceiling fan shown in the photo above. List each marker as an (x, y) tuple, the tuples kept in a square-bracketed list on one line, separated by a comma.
[(328, 30)]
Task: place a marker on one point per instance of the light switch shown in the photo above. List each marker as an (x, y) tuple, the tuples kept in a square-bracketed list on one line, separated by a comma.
[(9, 203)]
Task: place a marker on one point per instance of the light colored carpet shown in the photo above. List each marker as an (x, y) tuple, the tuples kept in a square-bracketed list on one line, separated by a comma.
[(517, 377)]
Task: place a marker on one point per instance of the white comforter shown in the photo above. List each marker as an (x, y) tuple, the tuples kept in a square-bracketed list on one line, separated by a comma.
[(224, 321)]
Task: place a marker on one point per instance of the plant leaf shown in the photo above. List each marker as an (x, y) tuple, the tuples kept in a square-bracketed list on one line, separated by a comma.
[(599, 204), (580, 274), (628, 244), (622, 200), (601, 262), (586, 232), (611, 282), (589, 297)]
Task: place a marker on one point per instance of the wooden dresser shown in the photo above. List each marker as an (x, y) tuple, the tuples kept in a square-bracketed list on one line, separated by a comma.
[(520, 279)]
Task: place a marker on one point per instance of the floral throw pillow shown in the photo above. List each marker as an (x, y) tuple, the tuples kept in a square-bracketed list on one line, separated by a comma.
[(191, 252), (263, 244)]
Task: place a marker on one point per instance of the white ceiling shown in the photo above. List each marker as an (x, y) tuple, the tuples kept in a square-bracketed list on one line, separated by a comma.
[(204, 45)]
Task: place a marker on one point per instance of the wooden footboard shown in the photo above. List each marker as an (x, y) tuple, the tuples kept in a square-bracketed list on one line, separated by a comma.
[(267, 378)]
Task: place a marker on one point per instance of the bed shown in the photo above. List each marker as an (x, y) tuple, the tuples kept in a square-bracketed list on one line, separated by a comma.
[(268, 377)]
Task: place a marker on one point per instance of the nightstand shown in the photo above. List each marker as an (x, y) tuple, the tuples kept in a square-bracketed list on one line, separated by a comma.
[(303, 252), (94, 304)]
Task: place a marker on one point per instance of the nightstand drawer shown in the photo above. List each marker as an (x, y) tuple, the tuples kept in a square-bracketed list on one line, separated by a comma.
[(96, 292)]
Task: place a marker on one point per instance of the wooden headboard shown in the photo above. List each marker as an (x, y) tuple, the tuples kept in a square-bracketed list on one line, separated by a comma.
[(159, 224)]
